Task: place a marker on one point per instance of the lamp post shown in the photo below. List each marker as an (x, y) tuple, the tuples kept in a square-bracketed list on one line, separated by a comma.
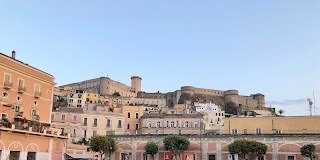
[(110, 149)]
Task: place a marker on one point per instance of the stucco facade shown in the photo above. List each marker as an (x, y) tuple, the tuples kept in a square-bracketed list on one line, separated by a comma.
[(281, 147), (26, 101), (272, 125)]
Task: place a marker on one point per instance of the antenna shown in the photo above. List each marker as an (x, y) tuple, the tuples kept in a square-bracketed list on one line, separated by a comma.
[(310, 105), (314, 104)]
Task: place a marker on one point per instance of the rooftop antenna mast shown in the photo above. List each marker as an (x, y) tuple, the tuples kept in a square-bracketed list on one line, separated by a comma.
[(310, 105), (314, 104)]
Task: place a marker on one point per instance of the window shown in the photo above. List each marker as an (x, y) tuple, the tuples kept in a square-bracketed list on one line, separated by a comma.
[(79, 101), (290, 157), (261, 157), (95, 122), (172, 124), (186, 124), (4, 94), (119, 124), (137, 115), (108, 123), (19, 98), (94, 133), (74, 118), (7, 78), (234, 131), (63, 117), (37, 88), (145, 156), (21, 83), (258, 130), (137, 126), (128, 125), (245, 131), (167, 124), (52, 117), (177, 123), (212, 157), (33, 112), (129, 114), (149, 124), (196, 125), (85, 121), (84, 133), (35, 103), (158, 124), (71, 95)]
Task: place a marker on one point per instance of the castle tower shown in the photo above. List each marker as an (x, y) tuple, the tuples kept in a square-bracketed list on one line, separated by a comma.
[(136, 83), (261, 100), (232, 96)]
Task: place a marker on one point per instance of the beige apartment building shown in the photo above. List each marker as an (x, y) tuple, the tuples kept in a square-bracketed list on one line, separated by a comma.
[(171, 124), (272, 125), (77, 98)]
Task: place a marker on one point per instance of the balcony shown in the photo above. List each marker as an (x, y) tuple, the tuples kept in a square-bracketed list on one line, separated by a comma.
[(7, 85), (95, 125), (18, 114), (35, 118), (4, 101), (21, 89), (37, 94)]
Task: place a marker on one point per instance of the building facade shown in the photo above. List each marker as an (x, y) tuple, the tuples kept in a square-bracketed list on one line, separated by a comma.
[(215, 147), (171, 124), (77, 98), (26, 102)]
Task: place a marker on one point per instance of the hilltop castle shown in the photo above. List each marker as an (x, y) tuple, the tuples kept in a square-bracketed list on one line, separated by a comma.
[(187, 94)]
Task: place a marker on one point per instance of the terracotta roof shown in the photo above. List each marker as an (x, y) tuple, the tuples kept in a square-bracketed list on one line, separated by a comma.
[(25, 64)]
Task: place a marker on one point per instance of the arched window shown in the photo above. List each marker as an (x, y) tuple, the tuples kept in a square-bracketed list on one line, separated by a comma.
[(149, 124), (186, 124), (158, 124), (172, 124)]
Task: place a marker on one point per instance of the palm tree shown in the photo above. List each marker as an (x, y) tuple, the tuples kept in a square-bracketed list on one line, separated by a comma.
[(281, 111)]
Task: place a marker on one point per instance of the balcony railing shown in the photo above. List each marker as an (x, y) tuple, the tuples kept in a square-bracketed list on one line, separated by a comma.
[(35, 117), (95, 125), (85, 124), (18, 114), (37, 94), (21, 89), (7, 85)]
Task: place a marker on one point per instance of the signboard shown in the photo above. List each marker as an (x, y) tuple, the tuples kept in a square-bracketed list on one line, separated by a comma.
[(179, 156)]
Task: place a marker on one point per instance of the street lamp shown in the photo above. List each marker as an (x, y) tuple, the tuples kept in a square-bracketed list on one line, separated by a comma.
[(110, 149)]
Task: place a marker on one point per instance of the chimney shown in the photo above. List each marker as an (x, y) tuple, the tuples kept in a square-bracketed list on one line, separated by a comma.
[(13, 54)]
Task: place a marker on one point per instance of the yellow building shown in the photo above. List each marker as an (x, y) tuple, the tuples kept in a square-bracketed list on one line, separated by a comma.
[(102, 123), (272, 125), (93, 98)]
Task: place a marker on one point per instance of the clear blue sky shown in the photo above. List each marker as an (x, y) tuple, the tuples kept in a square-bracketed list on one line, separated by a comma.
[(271, 47)]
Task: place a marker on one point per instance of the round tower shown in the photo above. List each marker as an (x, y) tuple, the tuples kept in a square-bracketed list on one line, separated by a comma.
[(261, 100), (104, 86), (136, 83), (232, 96), (188, 89)]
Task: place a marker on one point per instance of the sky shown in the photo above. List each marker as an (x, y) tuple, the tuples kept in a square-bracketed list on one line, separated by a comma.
[(269, 47)]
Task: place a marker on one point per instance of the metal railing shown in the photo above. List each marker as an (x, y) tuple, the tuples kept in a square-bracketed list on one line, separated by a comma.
[(8, 85), (21, 89), (37, 94)]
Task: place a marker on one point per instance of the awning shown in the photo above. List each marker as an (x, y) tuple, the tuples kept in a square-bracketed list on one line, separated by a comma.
[(78, 156)]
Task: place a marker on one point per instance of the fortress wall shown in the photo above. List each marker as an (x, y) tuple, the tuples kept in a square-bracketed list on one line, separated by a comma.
[(245, 100), (193, 90)]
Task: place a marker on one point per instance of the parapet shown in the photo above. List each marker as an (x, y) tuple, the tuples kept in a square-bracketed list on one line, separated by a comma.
[(231, 92), (136, 77)]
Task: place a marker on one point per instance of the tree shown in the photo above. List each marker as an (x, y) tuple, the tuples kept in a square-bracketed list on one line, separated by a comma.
[(281, 111), (308, 151), (248, 149), (175, 143), (231, 108), (116, 94), (151, 148), (102, 144)]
